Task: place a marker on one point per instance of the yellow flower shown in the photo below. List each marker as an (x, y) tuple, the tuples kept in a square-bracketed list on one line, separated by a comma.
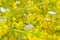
[(59, 38), (57, 27), (14, 5), (54, 36), (30, 2), (29, 37), (3, 29), (53, 1), (24, 37), (6, 28), (0, 2), (36, 38), (20, 25), (34, 9), (58, 4), (36, 29), (1, 33)]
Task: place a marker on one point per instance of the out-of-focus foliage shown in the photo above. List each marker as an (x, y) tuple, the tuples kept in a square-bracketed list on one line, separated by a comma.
[(29, 19)]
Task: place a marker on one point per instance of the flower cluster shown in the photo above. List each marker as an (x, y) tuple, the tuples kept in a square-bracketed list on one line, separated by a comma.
[(29, 19)]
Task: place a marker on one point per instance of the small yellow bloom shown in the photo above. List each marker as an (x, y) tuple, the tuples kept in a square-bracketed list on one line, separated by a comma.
[(30, 2), (58, 4), (14, 5)]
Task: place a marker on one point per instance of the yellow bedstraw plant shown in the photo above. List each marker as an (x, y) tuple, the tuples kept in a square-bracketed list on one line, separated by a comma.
[(29, 19)]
